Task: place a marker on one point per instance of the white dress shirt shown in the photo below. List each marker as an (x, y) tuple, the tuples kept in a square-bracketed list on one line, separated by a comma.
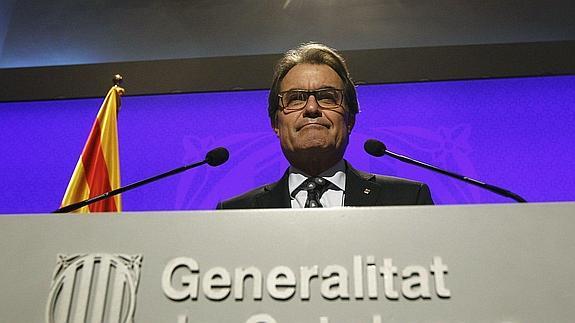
[(333, 197)]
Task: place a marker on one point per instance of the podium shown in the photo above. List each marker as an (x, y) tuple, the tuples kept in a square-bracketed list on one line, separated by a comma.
[(474, 263)]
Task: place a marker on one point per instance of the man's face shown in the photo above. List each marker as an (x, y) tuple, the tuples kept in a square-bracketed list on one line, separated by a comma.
[(313, 129)]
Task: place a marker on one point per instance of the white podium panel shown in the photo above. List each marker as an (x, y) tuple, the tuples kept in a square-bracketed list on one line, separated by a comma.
[(485, 263)]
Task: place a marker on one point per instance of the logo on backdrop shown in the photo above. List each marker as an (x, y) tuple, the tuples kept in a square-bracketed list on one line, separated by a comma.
[(94, 287)]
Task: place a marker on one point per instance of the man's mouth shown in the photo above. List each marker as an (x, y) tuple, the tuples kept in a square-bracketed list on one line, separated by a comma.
[(313, 123)]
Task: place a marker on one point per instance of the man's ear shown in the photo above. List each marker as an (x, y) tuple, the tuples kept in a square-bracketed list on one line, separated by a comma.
[(350, 122), (274, 124)]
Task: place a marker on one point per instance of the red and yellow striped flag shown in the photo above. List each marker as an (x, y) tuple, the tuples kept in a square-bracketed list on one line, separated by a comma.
[(98, 169)]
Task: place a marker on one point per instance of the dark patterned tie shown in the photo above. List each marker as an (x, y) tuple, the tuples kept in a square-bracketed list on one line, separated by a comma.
[(315, 187)]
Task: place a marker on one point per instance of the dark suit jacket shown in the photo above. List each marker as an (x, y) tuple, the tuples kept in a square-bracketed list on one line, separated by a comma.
[(361, 189)]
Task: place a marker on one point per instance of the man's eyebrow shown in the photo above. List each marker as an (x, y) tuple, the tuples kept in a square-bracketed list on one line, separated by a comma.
[(326, 87)]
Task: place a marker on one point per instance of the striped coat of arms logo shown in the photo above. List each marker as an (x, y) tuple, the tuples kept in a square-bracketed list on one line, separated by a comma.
[(94, 288)]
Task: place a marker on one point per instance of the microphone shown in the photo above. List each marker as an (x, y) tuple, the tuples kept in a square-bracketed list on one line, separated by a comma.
[(217, 156), (374, 147), (214, 157), (377, 148)]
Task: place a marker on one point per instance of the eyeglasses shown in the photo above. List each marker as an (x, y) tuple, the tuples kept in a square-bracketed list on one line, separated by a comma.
[(295, 100)]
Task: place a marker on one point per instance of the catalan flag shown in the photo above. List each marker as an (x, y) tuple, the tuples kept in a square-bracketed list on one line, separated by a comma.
[(98, 169)]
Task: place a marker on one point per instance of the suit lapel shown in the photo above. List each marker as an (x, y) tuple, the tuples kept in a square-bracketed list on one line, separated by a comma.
[(360, 188), (275, 195)]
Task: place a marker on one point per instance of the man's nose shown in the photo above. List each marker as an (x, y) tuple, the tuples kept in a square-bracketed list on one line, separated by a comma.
[(312, 108)]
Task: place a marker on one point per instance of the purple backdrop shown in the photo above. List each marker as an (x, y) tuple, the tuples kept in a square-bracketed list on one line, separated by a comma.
[(516, 133)]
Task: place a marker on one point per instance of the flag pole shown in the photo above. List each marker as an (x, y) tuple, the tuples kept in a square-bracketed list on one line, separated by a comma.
[(118, 80)]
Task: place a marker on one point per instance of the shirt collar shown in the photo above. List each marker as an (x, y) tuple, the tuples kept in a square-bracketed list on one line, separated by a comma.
[(335, 174)]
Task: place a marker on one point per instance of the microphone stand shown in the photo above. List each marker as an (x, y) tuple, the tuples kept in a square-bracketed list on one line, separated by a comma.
[(492, 188), (77, 205)]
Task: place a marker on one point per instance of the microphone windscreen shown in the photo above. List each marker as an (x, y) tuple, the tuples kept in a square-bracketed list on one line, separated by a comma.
[(217, 156), (374, 147)]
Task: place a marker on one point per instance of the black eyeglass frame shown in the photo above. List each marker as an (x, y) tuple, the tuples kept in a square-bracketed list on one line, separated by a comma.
[(309, 93)]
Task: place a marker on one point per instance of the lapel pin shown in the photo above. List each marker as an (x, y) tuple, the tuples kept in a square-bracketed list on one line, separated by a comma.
[(366, 191)]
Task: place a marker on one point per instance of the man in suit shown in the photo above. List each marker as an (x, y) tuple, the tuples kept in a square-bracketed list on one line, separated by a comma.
[(312, 107)]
